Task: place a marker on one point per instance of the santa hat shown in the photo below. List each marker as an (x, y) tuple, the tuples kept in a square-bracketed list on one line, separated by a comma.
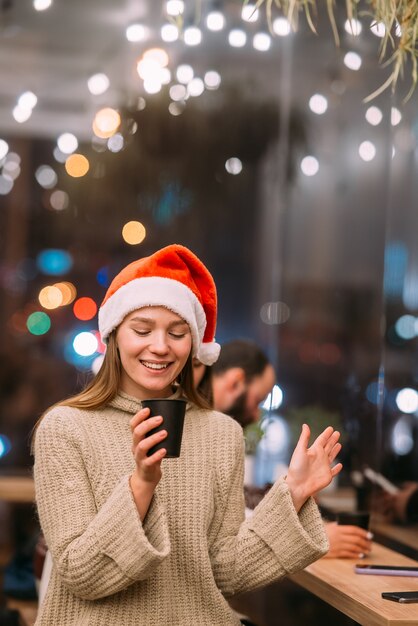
[(172, 277)]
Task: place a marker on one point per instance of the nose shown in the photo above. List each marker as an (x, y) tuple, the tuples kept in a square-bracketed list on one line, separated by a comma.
[(159, 344)]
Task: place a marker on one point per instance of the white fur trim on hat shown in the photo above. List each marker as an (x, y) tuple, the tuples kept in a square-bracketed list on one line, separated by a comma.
[(159, 291)]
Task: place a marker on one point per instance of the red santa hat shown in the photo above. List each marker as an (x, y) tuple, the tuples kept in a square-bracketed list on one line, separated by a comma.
[(172, 277)]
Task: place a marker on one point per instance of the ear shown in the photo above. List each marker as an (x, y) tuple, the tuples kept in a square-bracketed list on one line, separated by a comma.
[(234, 380)]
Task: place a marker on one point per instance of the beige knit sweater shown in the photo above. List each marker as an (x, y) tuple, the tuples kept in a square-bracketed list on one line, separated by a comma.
[(194, 548)]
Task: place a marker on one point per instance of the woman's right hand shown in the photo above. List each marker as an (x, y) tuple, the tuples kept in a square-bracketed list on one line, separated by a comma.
[(147, 473)]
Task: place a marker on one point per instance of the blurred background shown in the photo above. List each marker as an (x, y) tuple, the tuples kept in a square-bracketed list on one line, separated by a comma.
[(128, 126)]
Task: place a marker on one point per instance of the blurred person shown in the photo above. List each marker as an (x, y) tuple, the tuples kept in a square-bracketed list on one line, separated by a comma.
[(401, 506), (238, 381), (237, 384), (148, 540)]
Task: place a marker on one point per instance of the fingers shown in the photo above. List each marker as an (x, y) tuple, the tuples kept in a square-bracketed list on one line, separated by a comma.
[(303, 441), (142, 442), (334, 452), (332, 441), (336, 469), (324, 437), (139, 417)]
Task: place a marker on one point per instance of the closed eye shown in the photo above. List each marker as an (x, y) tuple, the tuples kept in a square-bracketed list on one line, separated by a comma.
[(178, 335)]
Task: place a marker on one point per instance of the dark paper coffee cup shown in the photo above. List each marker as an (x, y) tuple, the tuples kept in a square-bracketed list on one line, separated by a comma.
[(354, 518), (172, 410)]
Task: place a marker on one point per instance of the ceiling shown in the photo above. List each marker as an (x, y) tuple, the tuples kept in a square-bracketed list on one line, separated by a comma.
[(53, 53)]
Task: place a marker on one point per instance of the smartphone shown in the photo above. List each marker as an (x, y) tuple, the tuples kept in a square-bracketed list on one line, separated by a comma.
[(386, 570), (378, 479), (405, 597)]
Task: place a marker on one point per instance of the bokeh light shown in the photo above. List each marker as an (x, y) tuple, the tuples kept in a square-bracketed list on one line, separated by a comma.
[(318, 104), (212, 79), (237, 38), (4, 148), (68, 292), (402, 436), (84, 308), (50, 297), (192, 36), (85, 343), (46, 176), (374, 115), (106, 122), (38, 323), (353, 27), (77, 165), (353, 61), (407, 400), (309, 166), (102, 277), (406, 326), (274, 399), (233, 166), (249, 13), (5, 445), (281, 26), (59, 200), (54, 261), (98, 84), (184, 73), (215, 21), (67, 143), (169, 32), (133, 233), (136, 32), (367, 151), (41, 5)]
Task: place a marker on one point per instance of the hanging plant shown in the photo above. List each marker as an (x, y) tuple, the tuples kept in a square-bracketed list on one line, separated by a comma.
[(399, 45)]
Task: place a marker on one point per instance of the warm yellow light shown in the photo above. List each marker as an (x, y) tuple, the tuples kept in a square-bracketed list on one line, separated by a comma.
[(133, 233), (77, 165), (157, 54), (106, 123), (50, 297), (68, 292)]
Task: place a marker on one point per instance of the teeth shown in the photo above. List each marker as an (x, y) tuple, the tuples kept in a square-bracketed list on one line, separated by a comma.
[(155, 366)]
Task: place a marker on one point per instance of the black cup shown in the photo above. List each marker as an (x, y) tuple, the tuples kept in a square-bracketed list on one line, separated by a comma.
[(354, 518), (172, 411)]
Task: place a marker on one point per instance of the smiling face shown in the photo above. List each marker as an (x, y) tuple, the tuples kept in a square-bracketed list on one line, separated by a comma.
[(154, 345)]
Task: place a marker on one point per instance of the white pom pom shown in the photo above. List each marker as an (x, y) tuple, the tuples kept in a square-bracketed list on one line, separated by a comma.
[(208, 353)]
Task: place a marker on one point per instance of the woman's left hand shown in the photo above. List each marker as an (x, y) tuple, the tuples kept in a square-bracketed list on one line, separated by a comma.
[(310, 468)]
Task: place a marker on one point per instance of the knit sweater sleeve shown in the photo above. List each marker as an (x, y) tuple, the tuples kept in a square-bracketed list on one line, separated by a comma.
[(96, 552), (274, 542)]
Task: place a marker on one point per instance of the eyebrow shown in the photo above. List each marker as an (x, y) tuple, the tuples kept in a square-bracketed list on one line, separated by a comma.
[(149, 320)]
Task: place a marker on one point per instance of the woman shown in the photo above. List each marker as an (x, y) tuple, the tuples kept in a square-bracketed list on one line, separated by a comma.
[(139, 540)]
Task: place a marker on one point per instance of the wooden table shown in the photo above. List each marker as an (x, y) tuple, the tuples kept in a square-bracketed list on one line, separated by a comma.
[(19, 489), (359, 595)]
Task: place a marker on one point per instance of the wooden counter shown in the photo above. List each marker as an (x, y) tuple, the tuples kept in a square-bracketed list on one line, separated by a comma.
[(398, 533), (359, 595), (17, 489)]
